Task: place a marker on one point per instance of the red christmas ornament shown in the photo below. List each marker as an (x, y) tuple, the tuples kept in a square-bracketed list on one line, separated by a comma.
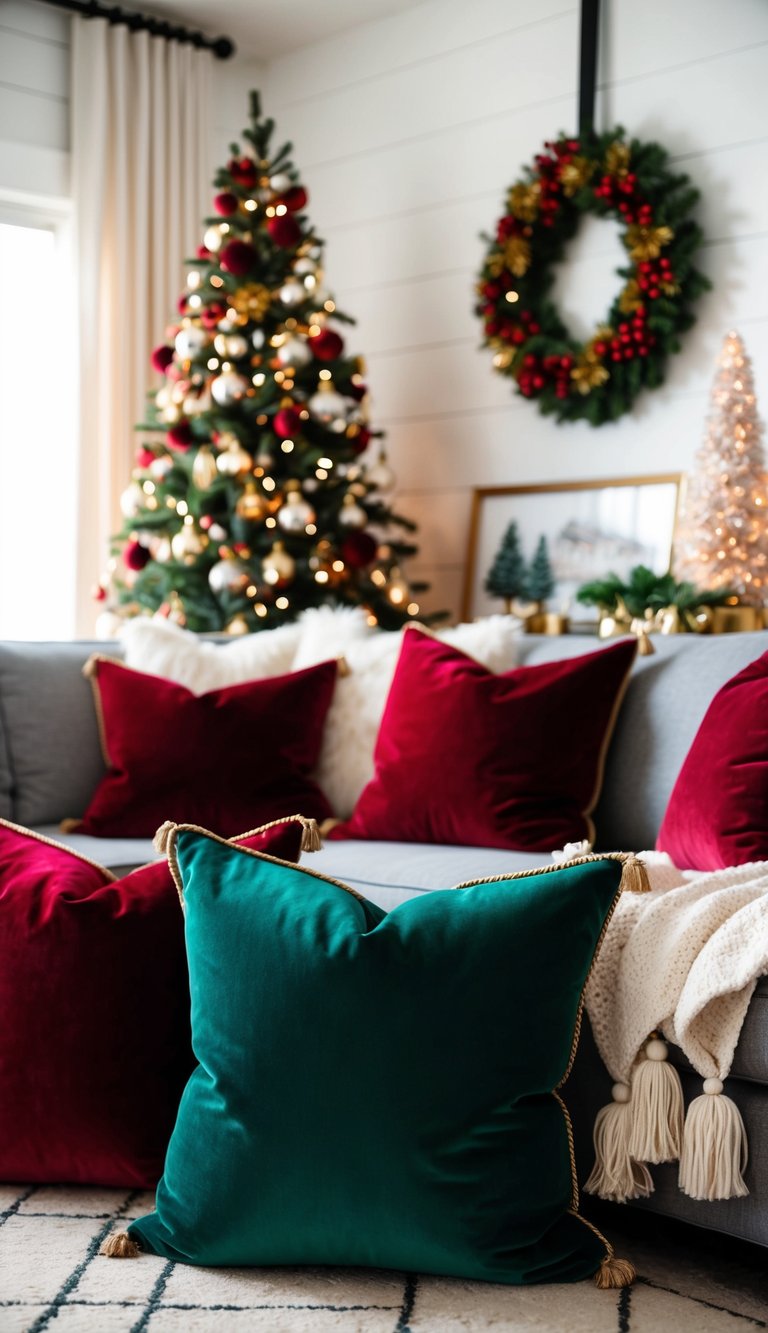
[(144, 457), (99, 593), (226, 203), (358, 549), (203, 252), (238, 258), (326, 345), (286, 423), (357, 391), (212, 314), (243, 171), (135, 556), (180, 436), (161, 358), (295, 199), (181, 304), (285, 231), (361, 441)]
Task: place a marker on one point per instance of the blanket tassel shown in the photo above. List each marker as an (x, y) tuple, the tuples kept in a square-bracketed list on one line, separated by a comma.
[(657, 1107), (714, 1153), (120, 1246), (616, 1175), (614, 1273)]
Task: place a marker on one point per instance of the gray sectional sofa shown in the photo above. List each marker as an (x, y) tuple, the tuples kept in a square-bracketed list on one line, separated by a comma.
[(50, 762)]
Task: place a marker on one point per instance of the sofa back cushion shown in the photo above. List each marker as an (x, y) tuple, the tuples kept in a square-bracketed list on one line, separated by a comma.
[(51, 739), (665, 703)]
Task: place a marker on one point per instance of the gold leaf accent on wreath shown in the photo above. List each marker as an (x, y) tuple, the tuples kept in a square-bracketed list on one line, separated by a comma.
[(575, 174), (617, 159), (630, 299), (253, 300), (647, 242), (669, 288), (504, 358), (517, 254), (588, 374), (523, 201)]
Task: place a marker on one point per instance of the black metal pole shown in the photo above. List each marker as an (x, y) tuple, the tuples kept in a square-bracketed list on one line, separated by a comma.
[(221, 47), (590, 19)]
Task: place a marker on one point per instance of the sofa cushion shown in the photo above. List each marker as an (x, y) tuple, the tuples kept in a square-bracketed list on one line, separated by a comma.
[(94, 1039), (360, 1093), (50, 730), (230, 758), (667, 697), (512, 760), (717, 815)]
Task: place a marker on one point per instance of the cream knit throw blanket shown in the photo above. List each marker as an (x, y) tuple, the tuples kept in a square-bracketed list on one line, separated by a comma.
[(681, 960)]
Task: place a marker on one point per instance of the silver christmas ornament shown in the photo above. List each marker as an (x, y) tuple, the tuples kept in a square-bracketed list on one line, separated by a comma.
[(190, 341), (228, 388), (228, 576), (294, 352)]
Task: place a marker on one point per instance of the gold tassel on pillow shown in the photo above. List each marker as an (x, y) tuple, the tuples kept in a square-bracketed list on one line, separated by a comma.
[(120, 1246)]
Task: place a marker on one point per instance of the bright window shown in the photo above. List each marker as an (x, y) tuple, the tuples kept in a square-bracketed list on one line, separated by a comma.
[(37, 412)]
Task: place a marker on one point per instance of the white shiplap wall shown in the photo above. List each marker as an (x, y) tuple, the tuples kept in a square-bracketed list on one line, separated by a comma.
[(34, 99), (408, 131)]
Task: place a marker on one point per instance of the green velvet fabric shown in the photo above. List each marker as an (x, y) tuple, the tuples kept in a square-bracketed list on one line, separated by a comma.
[(373, 1088)]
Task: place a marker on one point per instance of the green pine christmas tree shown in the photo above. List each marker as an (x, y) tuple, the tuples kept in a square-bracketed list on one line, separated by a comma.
[(506, 577), (539, 580), (258, 490)]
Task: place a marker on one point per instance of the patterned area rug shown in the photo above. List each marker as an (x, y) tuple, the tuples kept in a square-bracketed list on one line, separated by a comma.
[(53, 1278)]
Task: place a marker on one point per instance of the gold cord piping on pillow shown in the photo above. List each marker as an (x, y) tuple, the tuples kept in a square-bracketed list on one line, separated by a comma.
[(634, 878), (613, 1272), (91, 674), (603, 755), (60, 846)]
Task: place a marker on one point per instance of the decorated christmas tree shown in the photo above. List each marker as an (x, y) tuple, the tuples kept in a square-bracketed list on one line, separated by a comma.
[(722, 534), (260, 488), (506, 577), (539, 580)]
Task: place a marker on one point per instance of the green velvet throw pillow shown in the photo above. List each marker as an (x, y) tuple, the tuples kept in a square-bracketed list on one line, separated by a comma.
[(380, 1089)]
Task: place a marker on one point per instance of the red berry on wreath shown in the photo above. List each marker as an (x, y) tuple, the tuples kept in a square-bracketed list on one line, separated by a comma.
[(326, 345), (238, 258), (135, 556), (226, 203)]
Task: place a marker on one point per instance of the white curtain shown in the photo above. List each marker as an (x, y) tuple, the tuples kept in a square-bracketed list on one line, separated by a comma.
[(140, 155)]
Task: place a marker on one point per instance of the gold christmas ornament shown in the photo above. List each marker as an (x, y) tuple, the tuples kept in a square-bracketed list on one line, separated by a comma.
[(235, 461), (251, 505), (278, 567), (204, 468), (587, 374), (188, 544), (253, 300), (517, 255)]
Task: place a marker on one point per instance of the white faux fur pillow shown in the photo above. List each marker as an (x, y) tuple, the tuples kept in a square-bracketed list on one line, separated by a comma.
[(352, 723), (163, 649)]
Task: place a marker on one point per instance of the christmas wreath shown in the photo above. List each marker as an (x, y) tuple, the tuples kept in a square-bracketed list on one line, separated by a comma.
[(608, 176)]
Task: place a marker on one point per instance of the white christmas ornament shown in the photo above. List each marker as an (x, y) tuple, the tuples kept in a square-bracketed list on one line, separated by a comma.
[(303, 266), (228, 576), (212, 239), (257, 338), (189, 341), (294, 352), (380, 475), (197, 402), (295, 513), (327, 403), (236, 345), (160, 467), (280, 182), (228, 388), (352, 515), (132, 500), (293, 292)]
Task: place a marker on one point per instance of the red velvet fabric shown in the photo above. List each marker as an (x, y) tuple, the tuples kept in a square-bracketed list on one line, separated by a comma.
[(717, 815), (94, 1036), (465, 756), (229, 759)]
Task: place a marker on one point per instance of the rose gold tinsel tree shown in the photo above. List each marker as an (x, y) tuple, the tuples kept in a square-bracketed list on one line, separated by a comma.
[(722, 533)]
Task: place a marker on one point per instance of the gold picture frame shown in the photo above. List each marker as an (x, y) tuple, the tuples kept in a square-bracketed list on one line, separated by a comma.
[(607, 524)]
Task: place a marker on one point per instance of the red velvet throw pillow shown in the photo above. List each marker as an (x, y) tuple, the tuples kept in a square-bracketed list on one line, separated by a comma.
[(513, 760), (94, 1038), (228, 760), (717, 815)]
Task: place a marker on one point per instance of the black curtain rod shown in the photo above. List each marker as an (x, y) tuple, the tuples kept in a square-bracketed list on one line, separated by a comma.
[(590, 21), (222, 47)]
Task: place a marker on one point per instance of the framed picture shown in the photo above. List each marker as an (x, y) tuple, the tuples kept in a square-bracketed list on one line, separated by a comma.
[(591, 528)]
